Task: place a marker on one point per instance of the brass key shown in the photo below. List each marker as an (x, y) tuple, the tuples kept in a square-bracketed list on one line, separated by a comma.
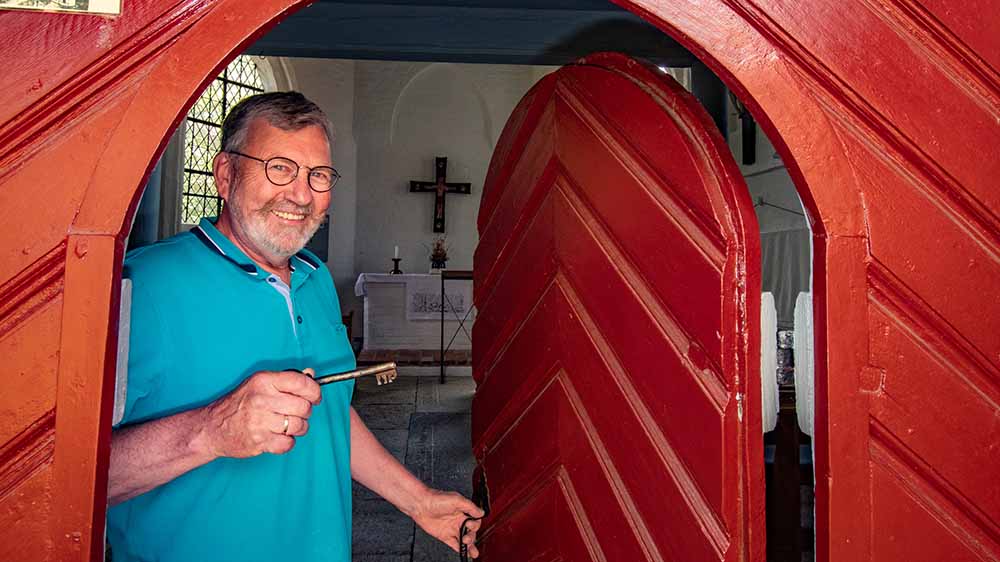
[(384, 373)]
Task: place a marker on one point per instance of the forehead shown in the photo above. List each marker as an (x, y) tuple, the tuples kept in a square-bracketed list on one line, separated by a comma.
[(307, 145)]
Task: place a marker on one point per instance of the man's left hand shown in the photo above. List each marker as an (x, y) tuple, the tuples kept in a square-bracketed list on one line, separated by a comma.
[(441, 515)]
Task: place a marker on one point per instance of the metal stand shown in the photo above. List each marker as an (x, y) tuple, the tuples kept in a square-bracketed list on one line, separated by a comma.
[(452, 274), (395, 267)]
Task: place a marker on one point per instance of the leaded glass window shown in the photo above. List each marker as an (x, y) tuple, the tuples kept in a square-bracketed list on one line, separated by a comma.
[(203, 136)]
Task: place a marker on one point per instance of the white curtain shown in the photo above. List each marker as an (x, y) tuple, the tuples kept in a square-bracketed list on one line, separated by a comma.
[(785, 259), (768, 363), (805, 394)]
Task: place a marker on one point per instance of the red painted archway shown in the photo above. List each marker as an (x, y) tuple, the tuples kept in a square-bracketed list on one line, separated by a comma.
[(887, 112)]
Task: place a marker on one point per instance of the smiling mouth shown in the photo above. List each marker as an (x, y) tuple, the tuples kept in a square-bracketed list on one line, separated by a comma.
[(288, 216)]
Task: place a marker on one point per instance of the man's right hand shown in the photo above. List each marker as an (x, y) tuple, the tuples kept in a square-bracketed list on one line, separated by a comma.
[(251, 419)]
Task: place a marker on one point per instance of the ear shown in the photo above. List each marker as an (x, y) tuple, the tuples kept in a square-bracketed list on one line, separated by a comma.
[(224, 172)]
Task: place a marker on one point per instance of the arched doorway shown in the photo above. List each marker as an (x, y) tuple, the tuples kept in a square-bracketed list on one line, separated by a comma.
[(875, 173)]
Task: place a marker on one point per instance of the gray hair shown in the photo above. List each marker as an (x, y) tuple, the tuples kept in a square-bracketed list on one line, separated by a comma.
[(288, 111)]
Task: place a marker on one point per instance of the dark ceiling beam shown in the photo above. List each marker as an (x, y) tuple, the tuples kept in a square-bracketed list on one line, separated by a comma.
[(590, 5), (475, 31)]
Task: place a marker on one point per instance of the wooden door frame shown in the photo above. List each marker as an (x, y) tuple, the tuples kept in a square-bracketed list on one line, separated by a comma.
[(133, 93)]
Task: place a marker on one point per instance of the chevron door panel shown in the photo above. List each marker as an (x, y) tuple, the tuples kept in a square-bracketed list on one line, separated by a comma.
[(611, 347)]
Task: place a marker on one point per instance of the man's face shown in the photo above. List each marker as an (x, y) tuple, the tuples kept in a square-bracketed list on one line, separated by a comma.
[(268, 221)]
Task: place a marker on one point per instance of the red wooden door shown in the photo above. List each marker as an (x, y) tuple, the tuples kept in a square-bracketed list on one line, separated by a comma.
[(617, 279)]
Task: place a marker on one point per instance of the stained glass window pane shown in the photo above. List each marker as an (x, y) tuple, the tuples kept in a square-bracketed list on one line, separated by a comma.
[(204, 135)]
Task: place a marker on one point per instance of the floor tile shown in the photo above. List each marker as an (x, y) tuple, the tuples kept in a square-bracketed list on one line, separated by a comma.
[(386, 416), (379, 528), (402, 391), (381, 558), (455, 395), (439, 452)]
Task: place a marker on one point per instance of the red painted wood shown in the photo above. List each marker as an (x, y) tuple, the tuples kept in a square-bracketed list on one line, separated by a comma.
[(885, 112), (615, 326)]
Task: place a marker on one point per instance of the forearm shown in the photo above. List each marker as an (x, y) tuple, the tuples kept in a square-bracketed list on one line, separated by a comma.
[(376, 469), (150, 454)]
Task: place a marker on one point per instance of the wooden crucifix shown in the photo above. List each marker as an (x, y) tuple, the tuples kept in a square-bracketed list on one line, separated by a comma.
[(440, 187)]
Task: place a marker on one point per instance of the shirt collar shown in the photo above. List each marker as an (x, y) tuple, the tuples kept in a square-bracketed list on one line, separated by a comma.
[(302, 264)]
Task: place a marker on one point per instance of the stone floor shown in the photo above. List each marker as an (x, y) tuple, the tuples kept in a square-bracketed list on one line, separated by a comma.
[(426, 426)]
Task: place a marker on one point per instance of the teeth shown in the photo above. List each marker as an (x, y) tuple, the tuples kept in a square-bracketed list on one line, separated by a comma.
[(289, 216)]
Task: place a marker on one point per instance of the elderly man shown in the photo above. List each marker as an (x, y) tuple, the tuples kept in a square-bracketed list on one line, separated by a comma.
[(229, 450)]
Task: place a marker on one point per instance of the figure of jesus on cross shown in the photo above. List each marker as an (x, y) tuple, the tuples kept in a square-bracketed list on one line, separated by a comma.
[(440, 187)]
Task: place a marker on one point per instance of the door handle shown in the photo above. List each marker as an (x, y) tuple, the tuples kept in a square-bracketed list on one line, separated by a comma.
[(480, 497)]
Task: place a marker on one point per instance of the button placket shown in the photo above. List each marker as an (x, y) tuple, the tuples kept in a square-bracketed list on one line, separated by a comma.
[(286, 293)]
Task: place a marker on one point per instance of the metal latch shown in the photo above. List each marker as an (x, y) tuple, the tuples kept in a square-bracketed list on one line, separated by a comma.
[(480, 497)]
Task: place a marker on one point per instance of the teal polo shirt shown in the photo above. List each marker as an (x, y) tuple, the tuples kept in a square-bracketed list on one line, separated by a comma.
[(204, 318)]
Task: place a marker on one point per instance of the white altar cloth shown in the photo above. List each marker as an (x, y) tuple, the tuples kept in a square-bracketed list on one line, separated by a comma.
[(423, 294), (403, 311)]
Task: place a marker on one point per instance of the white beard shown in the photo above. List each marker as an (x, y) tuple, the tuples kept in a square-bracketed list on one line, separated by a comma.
[(282, 245)]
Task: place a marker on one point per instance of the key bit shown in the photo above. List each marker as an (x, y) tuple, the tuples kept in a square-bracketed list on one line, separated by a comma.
[(384, 373)]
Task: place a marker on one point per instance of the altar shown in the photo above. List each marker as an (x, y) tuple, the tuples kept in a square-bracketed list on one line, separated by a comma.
[(402, 314)]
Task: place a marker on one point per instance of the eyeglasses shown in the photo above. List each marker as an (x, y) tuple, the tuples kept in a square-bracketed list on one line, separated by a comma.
[(283, 171)]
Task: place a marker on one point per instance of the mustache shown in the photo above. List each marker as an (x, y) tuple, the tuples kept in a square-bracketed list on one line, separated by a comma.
[(280, 205), (289, 207)]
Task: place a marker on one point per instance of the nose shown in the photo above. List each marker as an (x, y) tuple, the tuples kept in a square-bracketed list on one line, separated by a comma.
[(298, 191)]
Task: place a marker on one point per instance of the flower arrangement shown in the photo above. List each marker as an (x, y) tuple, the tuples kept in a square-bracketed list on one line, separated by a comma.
[(439, 253)]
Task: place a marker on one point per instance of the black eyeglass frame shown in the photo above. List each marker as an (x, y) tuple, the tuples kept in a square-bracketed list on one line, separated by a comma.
[(267, 174)]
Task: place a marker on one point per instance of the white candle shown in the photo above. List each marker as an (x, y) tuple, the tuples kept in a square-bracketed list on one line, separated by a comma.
[(395, 253)]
